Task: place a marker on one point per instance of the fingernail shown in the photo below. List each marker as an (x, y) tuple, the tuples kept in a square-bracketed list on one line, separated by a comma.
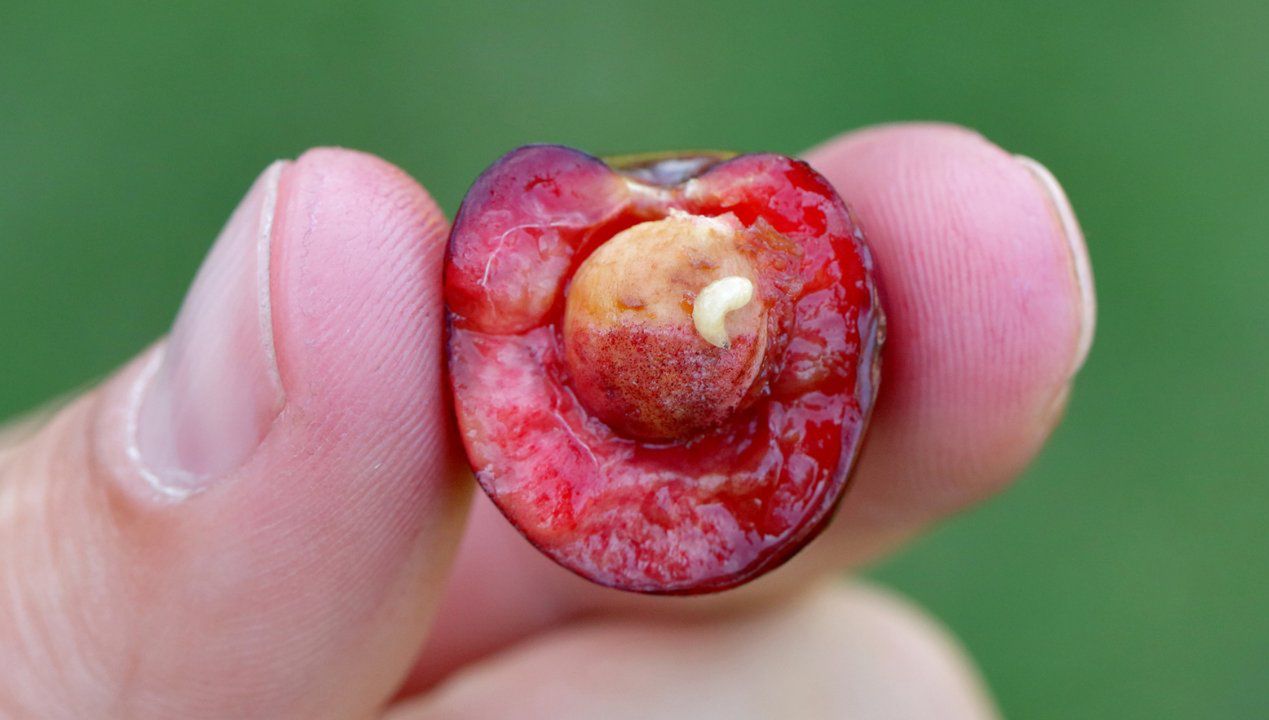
[(1081, 268), (214, 390)]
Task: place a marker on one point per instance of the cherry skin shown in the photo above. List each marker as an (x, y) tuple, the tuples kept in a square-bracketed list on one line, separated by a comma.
[(662, 370)]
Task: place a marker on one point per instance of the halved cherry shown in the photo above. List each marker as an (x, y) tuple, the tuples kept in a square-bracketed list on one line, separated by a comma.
[(662, 369)]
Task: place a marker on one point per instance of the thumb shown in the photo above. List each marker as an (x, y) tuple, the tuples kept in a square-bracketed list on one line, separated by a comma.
[(242, 522)]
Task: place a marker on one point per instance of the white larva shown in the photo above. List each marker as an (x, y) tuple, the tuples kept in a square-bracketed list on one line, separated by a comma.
[(714, 302)]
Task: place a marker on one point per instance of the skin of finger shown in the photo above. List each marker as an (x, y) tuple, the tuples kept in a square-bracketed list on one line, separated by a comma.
[(837, 652), (983, 329), (299, 585), (14, 431)]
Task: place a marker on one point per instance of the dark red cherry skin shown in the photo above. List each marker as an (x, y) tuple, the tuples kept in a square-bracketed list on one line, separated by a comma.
[(677, 515)]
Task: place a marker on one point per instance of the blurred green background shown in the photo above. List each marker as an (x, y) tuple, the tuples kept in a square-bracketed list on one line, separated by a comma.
[(1124, 577)]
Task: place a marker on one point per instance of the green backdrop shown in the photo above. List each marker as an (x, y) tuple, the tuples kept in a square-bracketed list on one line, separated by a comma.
[(1122, 578)]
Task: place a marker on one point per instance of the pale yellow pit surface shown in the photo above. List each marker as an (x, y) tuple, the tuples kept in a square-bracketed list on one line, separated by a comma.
[(683, 269)]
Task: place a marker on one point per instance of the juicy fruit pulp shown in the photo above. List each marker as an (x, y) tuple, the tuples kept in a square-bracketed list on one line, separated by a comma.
[(614, 436)]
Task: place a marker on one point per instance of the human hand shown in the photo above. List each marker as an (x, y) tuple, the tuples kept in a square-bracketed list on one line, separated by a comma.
[(261, 515)]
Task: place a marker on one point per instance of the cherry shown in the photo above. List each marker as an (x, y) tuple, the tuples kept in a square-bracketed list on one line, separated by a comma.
[(663, 369)]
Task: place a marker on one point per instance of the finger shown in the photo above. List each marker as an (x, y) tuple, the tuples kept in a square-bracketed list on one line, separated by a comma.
[(249, 519), (990, 313), (840, 653), (17, 429), (990, 304)]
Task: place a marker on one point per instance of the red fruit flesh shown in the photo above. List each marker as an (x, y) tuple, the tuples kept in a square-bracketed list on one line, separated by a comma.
[(616, 439)]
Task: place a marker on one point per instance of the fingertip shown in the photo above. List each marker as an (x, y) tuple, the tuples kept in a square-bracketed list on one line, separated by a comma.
[(832, 155), (987, 311), (357, 296), (897, 630), (1081, 265), (316, 548), (358, 317), (836, 652)]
